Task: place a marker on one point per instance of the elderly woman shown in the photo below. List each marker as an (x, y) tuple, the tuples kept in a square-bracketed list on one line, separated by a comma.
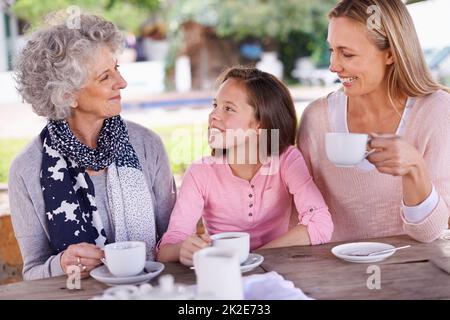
[(388, 91), (90, 178)]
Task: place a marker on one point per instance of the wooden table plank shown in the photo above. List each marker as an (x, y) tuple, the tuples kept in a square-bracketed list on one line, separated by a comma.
[(408, 274), (55, 288)]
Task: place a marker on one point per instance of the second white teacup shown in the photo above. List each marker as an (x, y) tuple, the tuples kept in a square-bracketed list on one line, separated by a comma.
[(238, 241), (126, 258), (346, 149), (218, 274)]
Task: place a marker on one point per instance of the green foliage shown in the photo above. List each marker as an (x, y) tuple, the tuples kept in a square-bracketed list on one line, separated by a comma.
[(253, 18), (9, 148), (296, 28), (297, 45), (184, 144), (128, 15)]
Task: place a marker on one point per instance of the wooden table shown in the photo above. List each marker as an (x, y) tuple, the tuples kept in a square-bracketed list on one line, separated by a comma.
[(408, 274), (55, 288)]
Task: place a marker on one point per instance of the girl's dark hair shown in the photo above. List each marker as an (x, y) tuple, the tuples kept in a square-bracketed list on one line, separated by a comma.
[(271, 100)]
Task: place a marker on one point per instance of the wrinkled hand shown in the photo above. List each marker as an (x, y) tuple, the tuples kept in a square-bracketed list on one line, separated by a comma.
[(84, 255), (191, 245), (394, 155)]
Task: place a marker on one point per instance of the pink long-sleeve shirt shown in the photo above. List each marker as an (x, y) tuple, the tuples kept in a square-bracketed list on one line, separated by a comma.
[(261, 206)]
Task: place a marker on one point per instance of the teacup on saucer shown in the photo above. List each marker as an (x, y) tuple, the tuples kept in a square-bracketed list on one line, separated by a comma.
[(253, 261), (151, 270)]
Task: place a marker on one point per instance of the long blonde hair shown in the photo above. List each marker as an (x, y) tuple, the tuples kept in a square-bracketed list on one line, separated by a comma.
[(395, 30)]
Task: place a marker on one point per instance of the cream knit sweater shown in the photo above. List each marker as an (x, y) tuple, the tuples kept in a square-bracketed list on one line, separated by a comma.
[(367, 204)]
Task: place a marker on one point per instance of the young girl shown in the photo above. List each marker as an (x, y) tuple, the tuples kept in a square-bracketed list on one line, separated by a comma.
[(240, 188)]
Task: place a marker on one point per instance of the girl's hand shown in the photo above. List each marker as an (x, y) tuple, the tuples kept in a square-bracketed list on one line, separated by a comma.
[(394, 155), (84, 255), (191, 245)]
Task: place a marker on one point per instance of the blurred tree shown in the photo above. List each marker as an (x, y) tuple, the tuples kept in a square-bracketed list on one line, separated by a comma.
[(263, 19), (293, 28), (297, 45), (127, 14)]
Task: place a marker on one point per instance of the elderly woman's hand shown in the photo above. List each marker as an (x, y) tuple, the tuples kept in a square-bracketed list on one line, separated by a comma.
[(394, 155), (84, 255), (191, 245)]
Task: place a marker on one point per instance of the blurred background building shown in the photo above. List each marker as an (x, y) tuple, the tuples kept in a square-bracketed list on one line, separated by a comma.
[(431, 19), (286, 38)]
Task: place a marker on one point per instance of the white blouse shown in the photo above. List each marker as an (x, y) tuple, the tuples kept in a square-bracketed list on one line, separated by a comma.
[(337, 112)]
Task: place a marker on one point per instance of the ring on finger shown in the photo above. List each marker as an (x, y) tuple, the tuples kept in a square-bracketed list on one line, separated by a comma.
[(80, 265)]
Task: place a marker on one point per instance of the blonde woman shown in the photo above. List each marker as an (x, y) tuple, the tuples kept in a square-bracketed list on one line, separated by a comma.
[(387, 92)]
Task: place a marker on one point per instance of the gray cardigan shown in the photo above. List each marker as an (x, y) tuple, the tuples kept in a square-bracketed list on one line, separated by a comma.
[(27, 203)]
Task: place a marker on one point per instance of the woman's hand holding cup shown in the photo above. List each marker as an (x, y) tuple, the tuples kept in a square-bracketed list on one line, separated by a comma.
[(394, 155), (84, 255)]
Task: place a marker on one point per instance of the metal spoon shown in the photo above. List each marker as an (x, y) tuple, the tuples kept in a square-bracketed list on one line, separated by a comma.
[(376, 252)]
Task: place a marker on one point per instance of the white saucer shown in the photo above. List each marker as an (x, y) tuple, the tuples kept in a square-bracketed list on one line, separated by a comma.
[(344, 251), (151, 270), (252, 262)]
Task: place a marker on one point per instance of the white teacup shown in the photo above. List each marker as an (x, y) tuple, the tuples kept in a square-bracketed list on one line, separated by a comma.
[(238, 241), (346, 149), (218, 274), (126, 258)]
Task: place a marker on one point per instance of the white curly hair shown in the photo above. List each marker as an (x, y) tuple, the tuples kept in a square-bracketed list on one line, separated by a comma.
[(54, 63)]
